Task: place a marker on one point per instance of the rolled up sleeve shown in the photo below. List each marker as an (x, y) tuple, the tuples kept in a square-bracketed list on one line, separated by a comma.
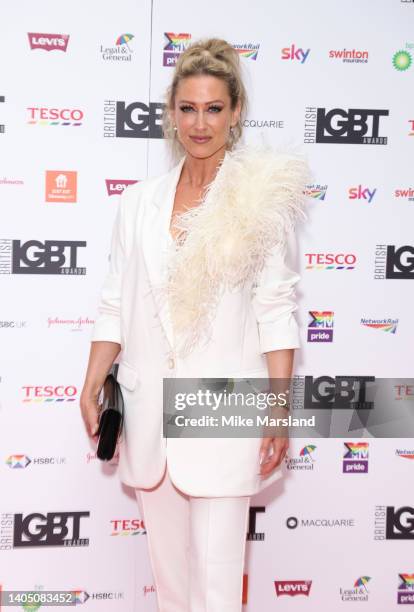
[(274, 298), (107, 325)]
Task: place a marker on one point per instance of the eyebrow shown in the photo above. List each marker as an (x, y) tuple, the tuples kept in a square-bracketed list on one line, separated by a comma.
[(210, 102)]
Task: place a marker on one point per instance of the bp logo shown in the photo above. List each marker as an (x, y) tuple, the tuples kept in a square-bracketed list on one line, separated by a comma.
[(402, 60)]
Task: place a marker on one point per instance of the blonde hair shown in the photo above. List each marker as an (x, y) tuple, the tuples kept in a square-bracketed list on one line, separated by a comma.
[(214, 57)]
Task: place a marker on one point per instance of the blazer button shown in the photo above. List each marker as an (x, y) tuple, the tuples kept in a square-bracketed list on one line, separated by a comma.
[(171, 363)]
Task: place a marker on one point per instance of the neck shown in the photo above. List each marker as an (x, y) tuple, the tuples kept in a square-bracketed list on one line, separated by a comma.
[(198, 172)]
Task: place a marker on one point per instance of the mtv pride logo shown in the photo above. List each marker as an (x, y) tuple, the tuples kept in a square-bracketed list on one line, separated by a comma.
[(48, 42), (295, 53), (355, 457), (174, 44), (405, 594), (117, 186), (320, 326), (293, 587)]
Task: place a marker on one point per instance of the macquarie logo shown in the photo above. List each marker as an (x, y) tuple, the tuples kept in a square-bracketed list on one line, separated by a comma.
[(355, 459), (345, 126), (61, 186), (405, 592), (293, 587), (134, 120), (293, 522), (48, 42), (54, 116), (361, 193), (174, 45), (247, 50), (35, 257), (295, 53), (316, 191), (394, 262), (349, 56), (117, 186), (330, 261), (320, 326), (388, 325), (391, 523)]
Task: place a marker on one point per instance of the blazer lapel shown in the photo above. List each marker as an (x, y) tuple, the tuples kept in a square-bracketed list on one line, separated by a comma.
[(155, 238)]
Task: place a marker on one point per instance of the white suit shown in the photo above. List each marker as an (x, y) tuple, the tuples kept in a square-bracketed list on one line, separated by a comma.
[(249, 322)]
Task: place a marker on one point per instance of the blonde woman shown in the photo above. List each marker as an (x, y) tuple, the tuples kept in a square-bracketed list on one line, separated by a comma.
[(199, 286)]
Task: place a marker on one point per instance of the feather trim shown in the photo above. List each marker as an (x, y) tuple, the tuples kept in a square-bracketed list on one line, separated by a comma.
[(255, 197)]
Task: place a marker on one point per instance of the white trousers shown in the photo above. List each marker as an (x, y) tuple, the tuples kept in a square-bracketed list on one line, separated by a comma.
[(196, 547)]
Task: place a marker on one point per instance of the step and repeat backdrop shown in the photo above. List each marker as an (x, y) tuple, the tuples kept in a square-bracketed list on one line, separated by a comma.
[(81, 92)]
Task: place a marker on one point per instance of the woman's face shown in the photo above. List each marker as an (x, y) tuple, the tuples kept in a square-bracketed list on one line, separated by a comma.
[(203, 115)]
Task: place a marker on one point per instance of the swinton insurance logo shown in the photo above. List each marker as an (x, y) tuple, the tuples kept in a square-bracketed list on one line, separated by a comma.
[(330, 261), (394, 262), (54, 116), (174, 45), (320, 326), (48, 42), (405, 593), (341, 126), (293, 587), (355, 459), (349, 56), (405, 194), (35, 257), (134, 120), (295, 53), (117, 186)]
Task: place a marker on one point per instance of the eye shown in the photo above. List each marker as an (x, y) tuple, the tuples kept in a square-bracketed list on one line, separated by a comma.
[(215, 109), (185, 108)]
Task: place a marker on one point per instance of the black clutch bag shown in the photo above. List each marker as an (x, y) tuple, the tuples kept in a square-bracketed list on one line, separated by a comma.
[(111, 416)]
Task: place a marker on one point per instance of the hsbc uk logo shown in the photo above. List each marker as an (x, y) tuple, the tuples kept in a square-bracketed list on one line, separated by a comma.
[(48, 42), (35, 257), (341, 126)]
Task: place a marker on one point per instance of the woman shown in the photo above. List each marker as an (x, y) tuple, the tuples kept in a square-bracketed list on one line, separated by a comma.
[(199, 286)]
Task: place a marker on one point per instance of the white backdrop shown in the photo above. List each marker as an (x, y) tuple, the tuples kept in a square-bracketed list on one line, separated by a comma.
[(66, 57)]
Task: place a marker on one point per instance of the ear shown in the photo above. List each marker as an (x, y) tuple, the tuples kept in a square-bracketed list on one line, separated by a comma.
[(236, 113)]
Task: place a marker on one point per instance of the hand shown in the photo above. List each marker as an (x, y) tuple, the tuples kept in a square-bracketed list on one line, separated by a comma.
[(90, 411), (280, 447)]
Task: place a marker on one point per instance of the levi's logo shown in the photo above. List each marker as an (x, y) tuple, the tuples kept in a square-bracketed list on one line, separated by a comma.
[(48, 42), (117, 186), (293, 587)]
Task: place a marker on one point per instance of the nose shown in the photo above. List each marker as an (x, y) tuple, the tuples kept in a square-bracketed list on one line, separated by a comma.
[(200, 120)]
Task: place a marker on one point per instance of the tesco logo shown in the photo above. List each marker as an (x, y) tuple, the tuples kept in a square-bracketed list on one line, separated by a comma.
[(65, 116), (49, 393), (338, 261)]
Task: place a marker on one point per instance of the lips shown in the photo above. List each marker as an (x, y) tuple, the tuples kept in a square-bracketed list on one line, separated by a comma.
[(200, 139)]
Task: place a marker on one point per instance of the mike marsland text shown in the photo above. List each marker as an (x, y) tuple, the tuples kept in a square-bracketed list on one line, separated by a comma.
[(240, 421)]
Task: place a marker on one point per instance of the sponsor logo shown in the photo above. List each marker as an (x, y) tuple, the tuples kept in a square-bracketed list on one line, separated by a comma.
[(35, 257), (174, 45), (320, 326), (340, 126), (74, 324), (391, 523), (403, 59), (13, 324), (361, 193), (295, 53), (61, 186), (55, 116), (349, 56), (146, 590), (49, 393), (293, 522), (293, 587), (339, 392), (304, 461), (388, 325), (355, 458), (114, 461), (405, 454), (117, 186), (391, 261), (124, 527), (252, 534), (405, 194), (22, 461), (135, 120), (120, 52), (404, 392), (247, 50), (6, 181), (263, 123), (48, 42), (405, 593), (359, 592), (58, 529), (316, 191), (330, 261)]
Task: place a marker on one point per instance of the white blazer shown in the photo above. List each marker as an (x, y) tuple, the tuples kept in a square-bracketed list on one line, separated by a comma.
[(249, 322)]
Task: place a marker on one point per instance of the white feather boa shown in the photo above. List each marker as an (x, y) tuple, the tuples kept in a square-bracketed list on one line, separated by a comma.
[(256, 195)]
